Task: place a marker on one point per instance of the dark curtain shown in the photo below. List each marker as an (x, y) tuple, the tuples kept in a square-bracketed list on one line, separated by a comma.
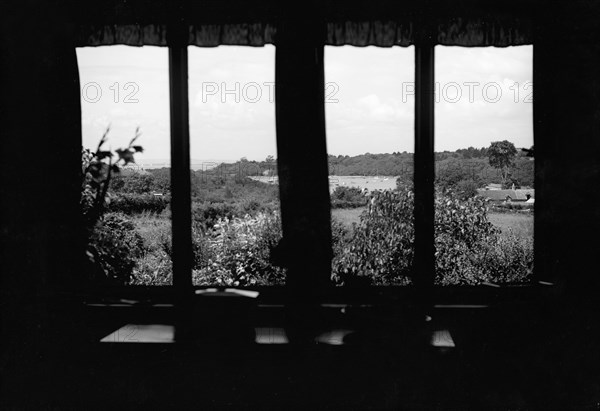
[(41, 247)]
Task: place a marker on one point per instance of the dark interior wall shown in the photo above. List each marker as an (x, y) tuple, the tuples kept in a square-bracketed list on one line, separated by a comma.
[(40, 166), (567, 145)]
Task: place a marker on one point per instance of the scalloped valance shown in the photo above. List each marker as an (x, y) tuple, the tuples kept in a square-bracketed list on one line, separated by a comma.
[(146, 22)]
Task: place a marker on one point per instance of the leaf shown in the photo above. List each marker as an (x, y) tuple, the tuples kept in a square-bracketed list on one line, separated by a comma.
[(138, 149), (103, 154), (126, 155), (103, 139), (97, 169), (136, 136)]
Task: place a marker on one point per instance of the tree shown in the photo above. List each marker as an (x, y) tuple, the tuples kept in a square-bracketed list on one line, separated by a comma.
[(501, 155), (466, 189)]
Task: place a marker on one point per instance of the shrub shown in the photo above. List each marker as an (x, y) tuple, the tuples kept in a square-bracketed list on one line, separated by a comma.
[(469, 249), (153, 268), (237, 252), (138, 203), (115, 247), (251, 206), (348, 197), (507, 259), (202, 247), (133, 182), (97, 170), (513, 206), (207, 214), (467, 188), (380, 249), (462, 235), (234, 252)]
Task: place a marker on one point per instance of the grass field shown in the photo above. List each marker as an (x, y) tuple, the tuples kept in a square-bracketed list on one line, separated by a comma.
[(517, 223), (347, 216)]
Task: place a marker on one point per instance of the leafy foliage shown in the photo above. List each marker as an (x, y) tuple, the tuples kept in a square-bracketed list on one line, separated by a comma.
[(207, 214), (238, 252), (469, 249), (380, 249), (97, 170), (462, 232), (138, 203), (233, 252), (501, 155), (114, 247), (134, 183), (236, 225), (348, 197)]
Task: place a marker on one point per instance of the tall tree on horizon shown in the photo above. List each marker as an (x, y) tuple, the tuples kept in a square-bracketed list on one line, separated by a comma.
[(501, 155)]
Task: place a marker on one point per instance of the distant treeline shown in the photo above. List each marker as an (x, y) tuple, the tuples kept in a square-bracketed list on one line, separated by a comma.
[(453, 170), (205, 186), (469, 164), (461, 168), (134, 192)]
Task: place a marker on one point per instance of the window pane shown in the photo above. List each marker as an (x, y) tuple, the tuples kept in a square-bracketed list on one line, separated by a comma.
[(126, 88), (370, 140), (484, 179), (235, 193)]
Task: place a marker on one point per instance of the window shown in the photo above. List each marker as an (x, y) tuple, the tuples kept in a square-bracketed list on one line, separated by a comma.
[(236, 218), (484, 176), (237, 118), (124, 89), (369, 103)]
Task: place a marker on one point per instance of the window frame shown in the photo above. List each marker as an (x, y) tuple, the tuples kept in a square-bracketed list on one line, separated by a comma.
[(424, 290)]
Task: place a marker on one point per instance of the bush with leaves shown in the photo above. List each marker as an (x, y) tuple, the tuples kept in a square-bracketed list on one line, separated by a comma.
[(207, 214), (469, 249), (380, 249), (511, 207), (237, 252), (138, 203), (348, 197), (462, 234), (155, 267), (133, 182), (97, 171), (113, 245), (507, 259)]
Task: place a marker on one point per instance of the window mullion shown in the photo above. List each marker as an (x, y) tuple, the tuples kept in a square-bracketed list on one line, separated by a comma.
[(180, 168), (424, 213)]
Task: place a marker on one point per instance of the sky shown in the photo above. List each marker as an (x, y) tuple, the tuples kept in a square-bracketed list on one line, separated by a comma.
[(483, 95)]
